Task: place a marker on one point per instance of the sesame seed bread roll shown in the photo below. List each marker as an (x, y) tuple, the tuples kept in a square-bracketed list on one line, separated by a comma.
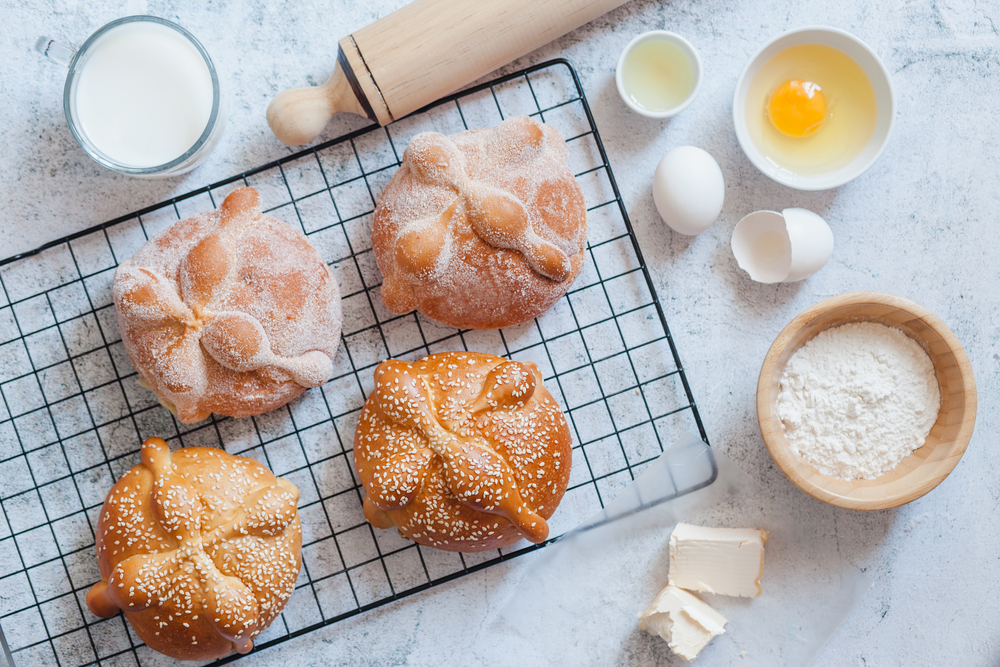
[(229, 311), (462, 451), (199, 548), (483, 229)]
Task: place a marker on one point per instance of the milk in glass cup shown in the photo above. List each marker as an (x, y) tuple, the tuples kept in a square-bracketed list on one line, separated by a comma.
[(142, 96)]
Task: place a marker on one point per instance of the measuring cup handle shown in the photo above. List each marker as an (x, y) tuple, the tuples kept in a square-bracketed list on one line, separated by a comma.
[(57, 52)]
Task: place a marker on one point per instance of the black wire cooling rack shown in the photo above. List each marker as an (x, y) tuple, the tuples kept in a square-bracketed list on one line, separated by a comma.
[(73, 414)]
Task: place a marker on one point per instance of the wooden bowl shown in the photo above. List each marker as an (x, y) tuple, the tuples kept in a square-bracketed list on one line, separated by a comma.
[(922, 470)]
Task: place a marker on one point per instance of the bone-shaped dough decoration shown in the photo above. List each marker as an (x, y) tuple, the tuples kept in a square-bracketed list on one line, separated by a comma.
[(176, 309), (498, 217), (483, 229), (192, 574), (430, 433)]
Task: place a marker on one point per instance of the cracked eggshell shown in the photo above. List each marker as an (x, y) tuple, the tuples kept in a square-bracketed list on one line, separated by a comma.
[(811, 240), (688, 190), (785, 247)]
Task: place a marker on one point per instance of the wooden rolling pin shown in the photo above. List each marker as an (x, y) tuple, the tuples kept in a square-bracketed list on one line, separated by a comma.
[(422, 52)]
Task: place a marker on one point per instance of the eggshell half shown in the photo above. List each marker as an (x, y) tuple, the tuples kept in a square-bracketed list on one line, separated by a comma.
[(811, 241), (784, 247), (761, 246)]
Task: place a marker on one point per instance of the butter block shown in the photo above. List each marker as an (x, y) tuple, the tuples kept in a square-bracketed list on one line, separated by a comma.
[(685, 622), (727, 561)]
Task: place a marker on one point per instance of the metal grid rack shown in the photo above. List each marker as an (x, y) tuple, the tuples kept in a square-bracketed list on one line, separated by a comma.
[(73, 415)]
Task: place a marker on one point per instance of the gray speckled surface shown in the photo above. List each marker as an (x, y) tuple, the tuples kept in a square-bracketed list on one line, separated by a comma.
[(922, 223)]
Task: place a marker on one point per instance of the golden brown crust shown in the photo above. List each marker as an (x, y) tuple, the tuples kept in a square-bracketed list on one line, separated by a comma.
[(462, 451), (229, 311), (484, 229), (199, 548)]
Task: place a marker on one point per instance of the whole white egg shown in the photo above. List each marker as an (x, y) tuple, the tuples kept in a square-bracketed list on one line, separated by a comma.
[(688, 190)]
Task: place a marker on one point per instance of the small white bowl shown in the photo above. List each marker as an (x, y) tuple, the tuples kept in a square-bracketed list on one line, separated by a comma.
[(863, 55), (683, 45)]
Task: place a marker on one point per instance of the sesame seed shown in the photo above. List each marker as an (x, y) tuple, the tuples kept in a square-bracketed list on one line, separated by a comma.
[(179, 567)]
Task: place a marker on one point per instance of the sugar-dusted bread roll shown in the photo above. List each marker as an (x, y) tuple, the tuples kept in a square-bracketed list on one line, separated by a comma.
[(462, 451), (483, 229), (199, 548), (229, 311)]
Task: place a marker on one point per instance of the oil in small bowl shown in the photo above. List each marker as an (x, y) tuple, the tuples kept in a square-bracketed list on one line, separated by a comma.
[(658, 74)]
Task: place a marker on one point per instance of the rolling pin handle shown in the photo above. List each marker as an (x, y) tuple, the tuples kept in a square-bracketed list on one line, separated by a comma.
[(298, 115), (420, 53)]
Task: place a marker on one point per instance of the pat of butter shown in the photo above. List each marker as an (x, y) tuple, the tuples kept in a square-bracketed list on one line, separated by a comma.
[(727, 561), (685, 622)]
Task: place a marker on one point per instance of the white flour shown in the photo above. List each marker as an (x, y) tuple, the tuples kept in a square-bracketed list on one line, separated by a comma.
[(857, 399)]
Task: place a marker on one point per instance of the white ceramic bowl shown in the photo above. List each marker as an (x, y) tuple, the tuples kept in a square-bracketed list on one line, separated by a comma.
[(683, 45), (862, 54)]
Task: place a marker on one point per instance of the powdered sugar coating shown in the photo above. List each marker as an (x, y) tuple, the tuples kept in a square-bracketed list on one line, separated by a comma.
[(229, 311), (462, 451), (483, 229)]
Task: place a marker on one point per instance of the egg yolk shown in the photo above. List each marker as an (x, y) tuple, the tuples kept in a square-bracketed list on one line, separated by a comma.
[(797, 108)]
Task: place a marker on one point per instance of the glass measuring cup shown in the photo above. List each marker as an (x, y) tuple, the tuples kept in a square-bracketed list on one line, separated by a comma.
[(130, 144)]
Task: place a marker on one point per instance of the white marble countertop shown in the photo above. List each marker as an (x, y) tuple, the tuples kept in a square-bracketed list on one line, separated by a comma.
[(922, 223)]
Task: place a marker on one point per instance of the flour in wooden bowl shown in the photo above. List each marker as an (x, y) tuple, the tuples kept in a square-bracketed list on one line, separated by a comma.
[(857, 399)]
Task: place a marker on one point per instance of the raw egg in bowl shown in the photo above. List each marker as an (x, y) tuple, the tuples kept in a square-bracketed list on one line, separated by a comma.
[(814, 108)]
